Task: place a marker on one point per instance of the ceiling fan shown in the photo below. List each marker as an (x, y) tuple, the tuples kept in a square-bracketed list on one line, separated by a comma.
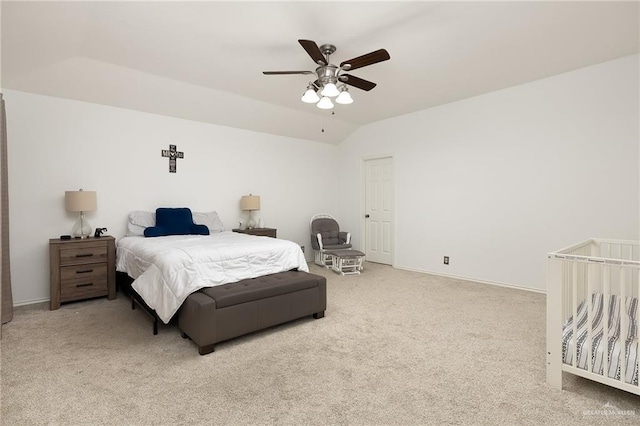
[(329, 75)]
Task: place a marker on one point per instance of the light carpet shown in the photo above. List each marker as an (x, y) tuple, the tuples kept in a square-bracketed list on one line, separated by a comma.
[(395, 348)]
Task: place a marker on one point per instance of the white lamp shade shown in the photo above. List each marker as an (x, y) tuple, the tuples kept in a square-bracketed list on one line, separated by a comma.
[(344, 98), (330, 89), (80, 201), (325, 103), (310, 97), (250, 202)]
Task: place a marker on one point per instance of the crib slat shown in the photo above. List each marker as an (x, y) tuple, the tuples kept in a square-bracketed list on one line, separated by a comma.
[(632, 272), (592, 271), (574, 285), (605, 303), (566, 290), (623, 327)]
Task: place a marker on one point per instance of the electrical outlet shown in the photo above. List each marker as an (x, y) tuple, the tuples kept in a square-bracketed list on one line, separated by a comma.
[(446, 260), (302, 247)]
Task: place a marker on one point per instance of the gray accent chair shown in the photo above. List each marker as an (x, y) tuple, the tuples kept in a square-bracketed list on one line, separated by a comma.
[(325, 237)]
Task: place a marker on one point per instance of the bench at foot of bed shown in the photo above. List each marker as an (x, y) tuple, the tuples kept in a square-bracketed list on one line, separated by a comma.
[(215, 314)]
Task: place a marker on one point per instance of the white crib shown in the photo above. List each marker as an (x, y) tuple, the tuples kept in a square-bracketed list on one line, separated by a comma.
[(605, 273)]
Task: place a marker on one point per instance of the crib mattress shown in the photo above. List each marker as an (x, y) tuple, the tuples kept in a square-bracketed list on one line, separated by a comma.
[(614, 346)]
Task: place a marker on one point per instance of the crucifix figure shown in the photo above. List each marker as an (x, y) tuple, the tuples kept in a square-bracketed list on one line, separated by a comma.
[(173, 154)]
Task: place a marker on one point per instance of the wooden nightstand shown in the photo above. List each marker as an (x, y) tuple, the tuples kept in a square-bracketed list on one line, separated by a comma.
[(261, 232), (81, 269)]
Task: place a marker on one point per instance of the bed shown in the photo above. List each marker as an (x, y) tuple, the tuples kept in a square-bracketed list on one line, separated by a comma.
[(167, 269), (597, 283)]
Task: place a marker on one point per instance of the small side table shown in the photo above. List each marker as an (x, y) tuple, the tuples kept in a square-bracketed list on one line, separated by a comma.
[(260, 232), (82, 269)]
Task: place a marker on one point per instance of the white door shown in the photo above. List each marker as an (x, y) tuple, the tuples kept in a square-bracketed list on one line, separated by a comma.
[(378, 214)]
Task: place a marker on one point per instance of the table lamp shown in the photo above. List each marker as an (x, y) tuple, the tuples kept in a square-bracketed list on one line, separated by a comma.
[(80, 201), (250, 203)]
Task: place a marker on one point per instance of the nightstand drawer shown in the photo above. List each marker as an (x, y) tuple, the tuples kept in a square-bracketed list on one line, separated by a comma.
[(83, 288), (84, 254), (83, 272)]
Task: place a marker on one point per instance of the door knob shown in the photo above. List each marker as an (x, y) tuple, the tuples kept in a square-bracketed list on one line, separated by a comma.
[(367, 216)]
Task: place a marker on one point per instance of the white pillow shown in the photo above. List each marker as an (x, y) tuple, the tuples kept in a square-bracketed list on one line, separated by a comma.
[(138, 221), (210, 219)]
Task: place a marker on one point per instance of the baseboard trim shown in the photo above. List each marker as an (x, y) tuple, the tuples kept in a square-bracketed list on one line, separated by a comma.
[(475, 280), (31, 302)]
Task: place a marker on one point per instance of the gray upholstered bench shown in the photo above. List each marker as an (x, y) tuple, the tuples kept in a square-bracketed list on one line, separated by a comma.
[(346, 261), (214, 314)]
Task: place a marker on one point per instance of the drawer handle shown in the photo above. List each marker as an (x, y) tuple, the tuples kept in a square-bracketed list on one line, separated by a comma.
[(84, 271), (84, 285), (84, 255)]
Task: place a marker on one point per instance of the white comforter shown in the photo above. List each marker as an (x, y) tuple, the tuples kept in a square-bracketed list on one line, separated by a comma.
[(168, 269)]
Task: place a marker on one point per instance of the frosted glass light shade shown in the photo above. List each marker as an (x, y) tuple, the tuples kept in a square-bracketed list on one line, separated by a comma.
[(325, 103), (344, 98), (330, 89), (310, 97)]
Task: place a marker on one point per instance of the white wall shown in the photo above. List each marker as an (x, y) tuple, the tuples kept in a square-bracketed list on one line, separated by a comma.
[(497, 181), (57, 145)]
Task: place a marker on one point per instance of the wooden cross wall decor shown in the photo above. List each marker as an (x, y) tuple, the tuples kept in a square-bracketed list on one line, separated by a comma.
[(173, 155)]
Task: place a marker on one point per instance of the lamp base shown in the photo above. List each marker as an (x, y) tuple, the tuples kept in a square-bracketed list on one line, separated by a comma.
[(81, 229), (251, 223)]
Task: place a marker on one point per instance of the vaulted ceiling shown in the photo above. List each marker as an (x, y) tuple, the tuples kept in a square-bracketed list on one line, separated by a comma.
[(204, 60)]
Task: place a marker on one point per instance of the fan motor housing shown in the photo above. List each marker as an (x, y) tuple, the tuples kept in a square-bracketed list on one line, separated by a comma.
[(327, 74)]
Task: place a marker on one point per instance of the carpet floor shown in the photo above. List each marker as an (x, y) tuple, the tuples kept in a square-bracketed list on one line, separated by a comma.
[(395, 348)]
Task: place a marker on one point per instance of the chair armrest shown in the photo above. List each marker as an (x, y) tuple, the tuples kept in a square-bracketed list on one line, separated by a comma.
[(319, 238), (345, 237)]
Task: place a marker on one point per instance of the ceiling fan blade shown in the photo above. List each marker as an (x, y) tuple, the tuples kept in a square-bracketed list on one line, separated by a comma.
[(354, 81), (368, 59), (286, 72), (314, 51)]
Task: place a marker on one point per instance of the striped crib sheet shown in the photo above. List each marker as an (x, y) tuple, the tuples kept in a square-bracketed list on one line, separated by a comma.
[(614, 347)]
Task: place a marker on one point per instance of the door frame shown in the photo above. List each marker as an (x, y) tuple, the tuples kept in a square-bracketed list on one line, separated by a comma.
[(363, 202)]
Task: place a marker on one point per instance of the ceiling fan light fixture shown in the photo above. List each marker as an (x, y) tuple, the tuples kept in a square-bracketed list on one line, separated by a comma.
[(330, 89), (324, 90), (344, 97), (325, 103), (310, 96)]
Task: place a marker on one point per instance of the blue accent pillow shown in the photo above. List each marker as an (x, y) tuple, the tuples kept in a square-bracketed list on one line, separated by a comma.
[(175, 221)]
